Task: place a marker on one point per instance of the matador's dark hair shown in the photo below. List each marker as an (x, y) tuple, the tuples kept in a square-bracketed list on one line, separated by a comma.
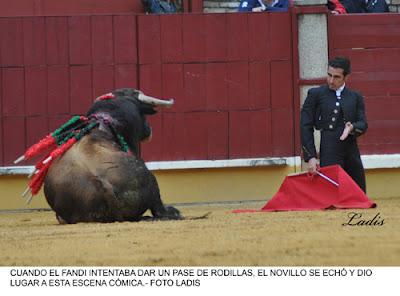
[(342, 63)]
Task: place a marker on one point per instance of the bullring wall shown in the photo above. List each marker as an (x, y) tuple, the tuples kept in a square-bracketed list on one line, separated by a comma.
[(232, 84)]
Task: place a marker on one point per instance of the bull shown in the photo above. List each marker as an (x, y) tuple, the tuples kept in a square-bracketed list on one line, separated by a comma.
[(95, 180)]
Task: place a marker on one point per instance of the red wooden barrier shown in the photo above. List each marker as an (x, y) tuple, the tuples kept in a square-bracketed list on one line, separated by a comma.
[(58, 90), (57, 43), (224, 79), (372, 44), (70, 7), (232, 86)]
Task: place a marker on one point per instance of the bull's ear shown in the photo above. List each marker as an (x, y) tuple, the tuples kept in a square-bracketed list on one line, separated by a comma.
[(147, 109)]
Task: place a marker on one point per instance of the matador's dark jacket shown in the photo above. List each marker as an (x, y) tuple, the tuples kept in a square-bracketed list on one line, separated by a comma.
[(324, 111)]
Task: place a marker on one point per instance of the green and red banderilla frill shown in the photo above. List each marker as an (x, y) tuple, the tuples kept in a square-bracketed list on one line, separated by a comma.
[(56, 144)]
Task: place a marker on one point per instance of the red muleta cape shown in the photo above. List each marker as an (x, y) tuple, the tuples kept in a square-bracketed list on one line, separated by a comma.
[(305, 192)]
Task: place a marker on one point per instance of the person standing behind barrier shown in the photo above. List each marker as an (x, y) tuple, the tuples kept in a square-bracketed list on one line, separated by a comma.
[(357, 6), (340, 115), (263, 5), (374, 6), (354, 6), (336, 7)]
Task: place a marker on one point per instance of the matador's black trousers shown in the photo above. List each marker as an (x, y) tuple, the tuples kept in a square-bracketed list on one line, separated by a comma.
[(344, 153)]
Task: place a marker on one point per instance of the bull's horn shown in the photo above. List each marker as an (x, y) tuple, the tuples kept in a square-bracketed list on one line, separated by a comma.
[(154, 101)]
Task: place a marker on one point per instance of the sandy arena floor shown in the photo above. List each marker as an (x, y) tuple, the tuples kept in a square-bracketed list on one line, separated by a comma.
[(222, 239)]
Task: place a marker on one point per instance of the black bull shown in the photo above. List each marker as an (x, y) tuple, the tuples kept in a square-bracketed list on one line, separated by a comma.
[(95, 181)]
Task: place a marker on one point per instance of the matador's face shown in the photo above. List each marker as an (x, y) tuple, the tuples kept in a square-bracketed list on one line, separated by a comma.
[(335, 78)]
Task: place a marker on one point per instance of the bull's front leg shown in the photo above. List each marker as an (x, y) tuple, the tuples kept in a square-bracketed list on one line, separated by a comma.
[(159, 211)]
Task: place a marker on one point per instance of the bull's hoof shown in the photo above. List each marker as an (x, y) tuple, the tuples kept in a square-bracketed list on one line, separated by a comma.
[(167, 213), (172, 213), (61, 220)]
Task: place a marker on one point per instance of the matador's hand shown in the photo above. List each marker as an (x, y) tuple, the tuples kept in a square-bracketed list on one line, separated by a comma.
[(347, 130), (313, 166)]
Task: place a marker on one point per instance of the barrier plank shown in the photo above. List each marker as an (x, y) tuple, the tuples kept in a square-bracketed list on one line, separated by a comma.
[(173, 136), (125, 39), (250, 134), (1, 93), (150, 79), (80, 44), (382, 132), (13, 93), (238, 85), (171, 38), (282, 132), (102, 39), (195, 87), (281, 84), (280, 42), (218, 134), (103, 80), (58, 87), (216, 37), (375, 83), (383, 30), (17, 8), (11, 42), (379, 148), (36, 90), (382, 108), (34, 41), (216, 86), (81, 89), (126, 76), (2, 141), (372, 60), (259, 85), (237, 37), (173, 86), (196, 135), (80, 7), (14, 138), (194, 38), (239, 134), (260, 133), (149, 39), (382, 137), (51, 7), (259, 36), (152, 150), (57, 46)]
